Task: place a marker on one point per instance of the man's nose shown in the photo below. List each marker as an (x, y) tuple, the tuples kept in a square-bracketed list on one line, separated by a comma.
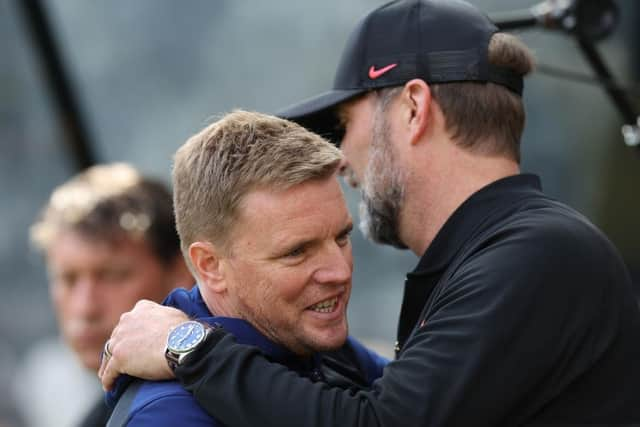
[(343, 167), (337, 265), (85, 298), (347, 173)]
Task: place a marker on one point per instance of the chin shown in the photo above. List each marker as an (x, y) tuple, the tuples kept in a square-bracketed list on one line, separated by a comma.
[(90, 360), (330, 340), (87, 354)]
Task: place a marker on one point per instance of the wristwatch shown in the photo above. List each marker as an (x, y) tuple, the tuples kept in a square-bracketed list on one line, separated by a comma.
[(184, 340)]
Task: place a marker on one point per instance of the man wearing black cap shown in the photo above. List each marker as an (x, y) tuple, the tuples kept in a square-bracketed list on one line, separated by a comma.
[(519, 312)]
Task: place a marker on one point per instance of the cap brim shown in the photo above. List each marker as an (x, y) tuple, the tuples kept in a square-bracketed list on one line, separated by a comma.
[(318, 113)]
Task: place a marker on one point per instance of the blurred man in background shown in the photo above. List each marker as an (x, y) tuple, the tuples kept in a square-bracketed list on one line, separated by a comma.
[(109, 239)]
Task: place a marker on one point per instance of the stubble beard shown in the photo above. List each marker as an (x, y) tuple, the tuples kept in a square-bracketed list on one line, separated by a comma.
[(289, 334), (382, 189)]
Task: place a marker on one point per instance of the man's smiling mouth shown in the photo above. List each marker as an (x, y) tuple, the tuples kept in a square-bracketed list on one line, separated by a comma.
[(326, 306)]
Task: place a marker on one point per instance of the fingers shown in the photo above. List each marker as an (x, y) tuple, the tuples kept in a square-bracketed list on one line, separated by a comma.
[(105, 357), (137, 343), (103, 365), (106, 352), (110, 367), (108, 371), (108, 374)]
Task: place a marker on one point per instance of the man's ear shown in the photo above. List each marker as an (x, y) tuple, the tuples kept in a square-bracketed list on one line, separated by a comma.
[(416, 97), (206, 260)]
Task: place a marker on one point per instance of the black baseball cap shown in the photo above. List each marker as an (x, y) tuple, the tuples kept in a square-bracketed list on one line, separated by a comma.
[(438, 41)]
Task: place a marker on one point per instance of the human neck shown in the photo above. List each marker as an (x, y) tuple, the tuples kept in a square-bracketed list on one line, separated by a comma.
[(216, 304), (436, 190)]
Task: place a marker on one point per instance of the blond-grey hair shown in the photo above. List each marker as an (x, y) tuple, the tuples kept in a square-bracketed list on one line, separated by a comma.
[(107, 202), (241, 152)]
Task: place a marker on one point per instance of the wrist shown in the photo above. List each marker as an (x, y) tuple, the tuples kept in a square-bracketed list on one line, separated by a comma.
[(195, 366), (184, 341)]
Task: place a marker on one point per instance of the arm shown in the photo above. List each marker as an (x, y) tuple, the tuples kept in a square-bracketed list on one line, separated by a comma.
[(371, 362), (498, 331), (352, 366)]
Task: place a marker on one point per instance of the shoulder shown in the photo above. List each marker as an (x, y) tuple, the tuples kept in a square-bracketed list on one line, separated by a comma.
[(539, 253), (543, 220), (542, 237), (166, 403)]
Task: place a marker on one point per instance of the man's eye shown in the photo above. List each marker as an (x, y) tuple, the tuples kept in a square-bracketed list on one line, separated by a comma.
[(116, 274), (343, 117), (65, 280), (296, 252), (344, 238)]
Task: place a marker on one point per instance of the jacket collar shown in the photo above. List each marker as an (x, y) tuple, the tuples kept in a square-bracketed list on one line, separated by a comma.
[(469, 216)]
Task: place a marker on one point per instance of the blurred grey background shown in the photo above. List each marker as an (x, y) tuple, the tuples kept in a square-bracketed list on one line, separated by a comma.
[(150, 73)]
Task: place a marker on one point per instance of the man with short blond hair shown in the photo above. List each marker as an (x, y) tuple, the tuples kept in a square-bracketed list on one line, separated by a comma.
[(265, 229)]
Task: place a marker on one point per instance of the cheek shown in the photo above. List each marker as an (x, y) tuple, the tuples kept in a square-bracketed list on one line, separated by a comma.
[(270, 298), (352, 145), (347, 251), (144, 283), (280, 302), (59, 298), (67, 306), (271, 295), (117, 302), (251, 295), (125, 296), (358, 158), (292, 288)]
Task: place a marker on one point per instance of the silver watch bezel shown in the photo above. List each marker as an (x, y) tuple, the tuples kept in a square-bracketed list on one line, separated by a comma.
[(175, 356)]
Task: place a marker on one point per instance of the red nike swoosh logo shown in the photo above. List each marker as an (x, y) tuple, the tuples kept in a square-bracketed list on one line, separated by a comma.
[(374, 74)]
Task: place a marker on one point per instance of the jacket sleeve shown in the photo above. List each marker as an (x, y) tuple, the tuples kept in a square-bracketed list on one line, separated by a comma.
[(372, 363), (499, 327)]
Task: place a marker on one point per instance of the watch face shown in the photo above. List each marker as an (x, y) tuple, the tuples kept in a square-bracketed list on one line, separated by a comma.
[(185, 336)]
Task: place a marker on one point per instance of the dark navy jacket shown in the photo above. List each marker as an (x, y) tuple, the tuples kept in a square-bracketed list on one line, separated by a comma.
[(166, 403)]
